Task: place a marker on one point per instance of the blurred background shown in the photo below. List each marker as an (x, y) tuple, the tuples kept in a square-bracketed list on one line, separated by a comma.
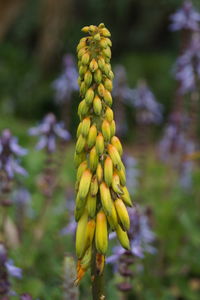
[(157, 119)]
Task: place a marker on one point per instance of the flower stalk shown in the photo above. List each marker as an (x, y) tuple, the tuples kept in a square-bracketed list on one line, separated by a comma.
[(102, 196)]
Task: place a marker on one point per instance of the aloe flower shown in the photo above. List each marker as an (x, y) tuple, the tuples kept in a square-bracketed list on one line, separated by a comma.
[(49, 131), (185, 18), (148, 110), (66, 84), (10, 150)]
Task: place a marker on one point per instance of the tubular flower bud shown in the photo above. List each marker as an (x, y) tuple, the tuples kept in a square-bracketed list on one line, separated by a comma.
[(101, 192)]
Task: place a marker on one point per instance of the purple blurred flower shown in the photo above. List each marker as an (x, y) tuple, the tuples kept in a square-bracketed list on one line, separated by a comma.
[(26, 297), (21, 196), (187, 68), (121, 89), (9, 152), (66, 83), (13, 270), (140, 236), (185, 18), (148, 110), (132, 173), (48, 131), (187, 166), (6, 269)]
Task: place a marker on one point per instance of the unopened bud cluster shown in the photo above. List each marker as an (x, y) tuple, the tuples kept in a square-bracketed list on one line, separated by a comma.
[(102, 195)]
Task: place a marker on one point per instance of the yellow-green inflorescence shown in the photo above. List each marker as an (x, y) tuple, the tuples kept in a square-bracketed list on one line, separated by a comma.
[(102, 195)]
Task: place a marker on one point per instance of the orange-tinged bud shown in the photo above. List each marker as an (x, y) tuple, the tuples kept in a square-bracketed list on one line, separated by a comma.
[(98, 76), (122, 214), (106, 130), (97, 105), (89, 96), (126, 197), (108, 170), (100, 144), (108, 84), (80, 144), (85, 126), (85, 29), (85, 183), (93, 159), (101, 234), (100, 262), (112, 128), (106, 200), (99, 173), (115, 156), (85, 58), (93, 65), (94, 186), (107, 97), (105, 32), (116, 142), (116, 184), (88, 78), (92, 136), (109, 114), (101, 89), (101, 63)]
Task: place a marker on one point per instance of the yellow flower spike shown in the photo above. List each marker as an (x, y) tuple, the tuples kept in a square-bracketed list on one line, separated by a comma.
[(122, 213), (101, 178), (101, 234)]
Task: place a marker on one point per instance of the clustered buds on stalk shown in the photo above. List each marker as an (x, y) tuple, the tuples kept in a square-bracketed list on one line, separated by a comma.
[(102, 195)]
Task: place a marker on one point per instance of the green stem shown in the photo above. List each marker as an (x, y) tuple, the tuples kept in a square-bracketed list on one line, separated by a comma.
[(97, 280)]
